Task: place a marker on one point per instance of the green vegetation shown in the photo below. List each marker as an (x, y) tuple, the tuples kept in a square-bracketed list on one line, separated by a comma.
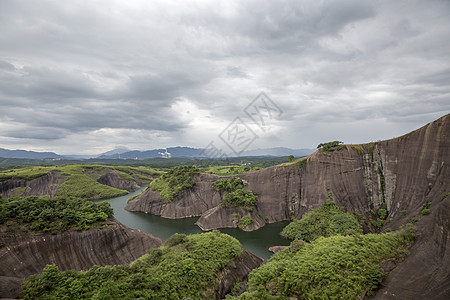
[(413, 220), (81, 180), (358, 148), (326, 220), (331, 146), (299, 162), (426, 208), (425, 211), (445, 195), (158, 163), (235, 195), (228, 170), (174, 181), (81, 186), (184, 268), (228, 184), (245, 221), (337, 267), (26, 173), (52, 215)]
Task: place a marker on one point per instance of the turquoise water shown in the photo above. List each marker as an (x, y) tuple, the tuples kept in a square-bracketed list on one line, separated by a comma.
[(256, 242)]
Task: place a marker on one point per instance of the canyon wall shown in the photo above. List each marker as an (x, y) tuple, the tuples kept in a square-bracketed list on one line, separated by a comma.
[(403, 172), (24, 254)]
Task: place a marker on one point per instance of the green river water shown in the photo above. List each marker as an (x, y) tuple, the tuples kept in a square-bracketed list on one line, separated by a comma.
[(256, 242)]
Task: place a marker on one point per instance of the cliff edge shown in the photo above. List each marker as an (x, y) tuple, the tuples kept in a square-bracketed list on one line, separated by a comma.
[(24, 254)]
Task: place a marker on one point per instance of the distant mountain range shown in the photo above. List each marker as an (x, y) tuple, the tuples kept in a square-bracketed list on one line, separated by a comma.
[(5, 153), (123, 153), (197, 152)]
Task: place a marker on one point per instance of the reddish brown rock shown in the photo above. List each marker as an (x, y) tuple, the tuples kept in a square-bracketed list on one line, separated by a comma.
[(112, 179), (234, 272), (276, 249), (415, 168), (46, 185), (24, 254)]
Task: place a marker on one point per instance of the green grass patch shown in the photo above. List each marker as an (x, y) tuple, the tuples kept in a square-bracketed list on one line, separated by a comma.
[(326, 220), (170, 184), (228, 170), (53, 215), (358, 148), (235, 194), (80, 180), (300, 162), (81, 186), (19, 191), (184, 268), (125, 176), (26, 173), (337, 267)]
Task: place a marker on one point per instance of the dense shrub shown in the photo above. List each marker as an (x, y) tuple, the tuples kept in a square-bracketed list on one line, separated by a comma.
[(228, 184), (337, 267), (228, 170), (245, 221), (174, 181), (53, 215), (184, 270), (235, 194), (331, 146), (326, 220)]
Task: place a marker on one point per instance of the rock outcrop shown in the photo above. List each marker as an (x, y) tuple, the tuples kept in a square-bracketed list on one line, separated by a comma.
[(24, 254), (46, 185), (112, 179), (236, 271), (403, 173)]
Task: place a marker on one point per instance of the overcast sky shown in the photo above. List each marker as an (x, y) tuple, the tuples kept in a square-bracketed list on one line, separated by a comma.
[(89, 76)]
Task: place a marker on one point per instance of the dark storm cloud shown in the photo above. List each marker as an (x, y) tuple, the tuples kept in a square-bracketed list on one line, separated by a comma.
[(176, 72)]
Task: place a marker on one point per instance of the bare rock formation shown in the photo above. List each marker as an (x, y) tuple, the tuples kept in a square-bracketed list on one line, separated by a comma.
[(24, 254), (112, 179), (275, 249), (236, 271), (189, 203), (46, 185), (404, 173)]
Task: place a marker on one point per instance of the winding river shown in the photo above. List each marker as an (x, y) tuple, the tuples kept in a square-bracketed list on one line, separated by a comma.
[(256, 242)]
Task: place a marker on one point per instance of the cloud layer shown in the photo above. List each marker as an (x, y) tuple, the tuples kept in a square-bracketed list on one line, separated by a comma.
[(85, 77)]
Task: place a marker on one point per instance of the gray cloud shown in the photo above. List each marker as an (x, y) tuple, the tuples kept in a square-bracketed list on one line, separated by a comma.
[(87, 77)]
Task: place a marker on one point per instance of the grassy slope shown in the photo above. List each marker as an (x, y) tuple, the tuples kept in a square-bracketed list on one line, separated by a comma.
[(81, 179)]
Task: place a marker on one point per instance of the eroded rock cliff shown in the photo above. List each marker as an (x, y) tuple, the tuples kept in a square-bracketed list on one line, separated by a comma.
[(49, 184), (46, 185), (24, 254), (402, 173)]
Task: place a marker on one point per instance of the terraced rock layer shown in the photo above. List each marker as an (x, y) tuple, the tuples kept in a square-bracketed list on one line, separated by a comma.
[(24, 254)]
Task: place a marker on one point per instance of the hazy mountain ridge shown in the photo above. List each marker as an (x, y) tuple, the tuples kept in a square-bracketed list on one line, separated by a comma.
[(198, 152), (6, 153)]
